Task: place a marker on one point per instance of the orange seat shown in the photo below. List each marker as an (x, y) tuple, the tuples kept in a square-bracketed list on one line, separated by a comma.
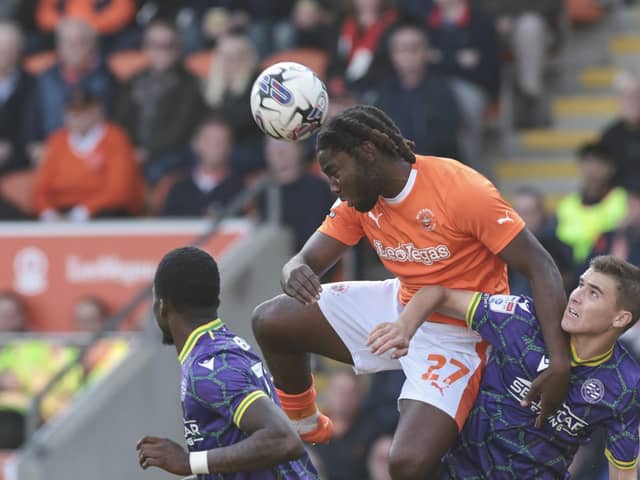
[(314, 58), (199, 63), (38, 63), (584, 11), (17, 188), (127, 63)]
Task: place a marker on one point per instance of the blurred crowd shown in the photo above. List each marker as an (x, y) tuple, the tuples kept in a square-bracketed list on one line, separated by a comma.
[(129, 108)]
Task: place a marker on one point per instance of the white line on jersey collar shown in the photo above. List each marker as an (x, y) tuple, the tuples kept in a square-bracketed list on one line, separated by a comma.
[(406, 190)]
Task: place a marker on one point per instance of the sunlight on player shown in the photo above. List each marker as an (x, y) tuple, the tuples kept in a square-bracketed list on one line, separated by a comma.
[(497, 441), (232, 421), (431, 221)]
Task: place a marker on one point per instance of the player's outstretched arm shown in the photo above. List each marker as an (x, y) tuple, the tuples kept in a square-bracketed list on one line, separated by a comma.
[(301, 275), (616, 473), (397, 335), (271, 441), (526, 255)]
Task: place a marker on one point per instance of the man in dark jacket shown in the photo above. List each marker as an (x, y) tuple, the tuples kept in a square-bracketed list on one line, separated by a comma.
[(17, 95), (421, 103), (210, 186), (465, 47), (622, 137), (162, 106)]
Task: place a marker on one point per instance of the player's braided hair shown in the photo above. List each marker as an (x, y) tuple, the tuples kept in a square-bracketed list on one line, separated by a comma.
[(348, 130), (188, 278)]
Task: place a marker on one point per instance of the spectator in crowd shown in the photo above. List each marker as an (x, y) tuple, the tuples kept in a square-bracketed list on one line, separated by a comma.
[(227, 91), (624, 242), (90, 313), (378, 458), (381, 400), (78, 66), (313, 25), (161, 107), (269, 25), (13, 313), (359, 60), (26, 366), (529, 203), (345, 455), (622, 137), (305, 198), (526, 28), (89, 168), (200, 23), (109, 18), (17, 92), (464, 45), (596, 208), (421, 103), (211, 185)]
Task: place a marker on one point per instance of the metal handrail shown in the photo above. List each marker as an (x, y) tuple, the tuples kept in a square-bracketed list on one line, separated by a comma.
[(238, 204)]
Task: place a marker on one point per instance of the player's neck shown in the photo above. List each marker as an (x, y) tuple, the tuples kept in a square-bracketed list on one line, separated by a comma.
[(397, 176), (183, 327), (587, 347)]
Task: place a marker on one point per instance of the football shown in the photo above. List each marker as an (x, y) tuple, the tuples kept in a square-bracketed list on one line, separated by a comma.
[(289, 101)]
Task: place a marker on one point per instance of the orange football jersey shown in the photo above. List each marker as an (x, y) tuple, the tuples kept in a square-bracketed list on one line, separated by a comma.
[(445, 228)]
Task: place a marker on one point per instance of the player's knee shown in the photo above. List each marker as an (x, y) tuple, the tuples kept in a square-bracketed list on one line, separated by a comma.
[(410, 464), (264, 318)]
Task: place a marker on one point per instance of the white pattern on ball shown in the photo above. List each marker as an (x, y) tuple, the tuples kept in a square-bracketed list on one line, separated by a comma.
[(289, 101)]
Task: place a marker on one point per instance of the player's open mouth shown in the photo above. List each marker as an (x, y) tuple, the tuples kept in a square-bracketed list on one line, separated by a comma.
[(572, 312)]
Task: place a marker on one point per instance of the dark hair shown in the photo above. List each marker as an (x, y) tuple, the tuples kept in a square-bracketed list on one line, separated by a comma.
[(351, 128), (627, 276), (188, 278), (211, 116), (594, 149), (409, 23)]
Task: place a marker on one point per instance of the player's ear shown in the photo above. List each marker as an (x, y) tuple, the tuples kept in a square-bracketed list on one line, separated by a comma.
[(622, 319), (162, 307)]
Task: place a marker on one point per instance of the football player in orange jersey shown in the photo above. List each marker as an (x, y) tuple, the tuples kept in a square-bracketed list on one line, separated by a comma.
[(432, 221)]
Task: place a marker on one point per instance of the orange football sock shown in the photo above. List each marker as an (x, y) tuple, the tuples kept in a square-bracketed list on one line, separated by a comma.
[(299, 405), (301, 408)]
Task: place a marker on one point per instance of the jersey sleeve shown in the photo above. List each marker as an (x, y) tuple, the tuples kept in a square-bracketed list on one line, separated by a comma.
[(478, 209), (229, 385), (502, 320), (622, 435), (343, 224)]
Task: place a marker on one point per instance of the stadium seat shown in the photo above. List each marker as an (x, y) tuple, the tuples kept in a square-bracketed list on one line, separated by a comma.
[(314, 58), (127, 63), (17, 188), (584, 11), (38, 63), (199, 63)]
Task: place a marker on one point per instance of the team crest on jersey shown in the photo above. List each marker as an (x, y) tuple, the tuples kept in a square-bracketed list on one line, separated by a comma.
[(339, 288), (427, 219), (592, 390)]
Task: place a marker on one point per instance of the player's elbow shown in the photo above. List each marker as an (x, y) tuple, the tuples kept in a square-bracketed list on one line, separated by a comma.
[(288, 445)]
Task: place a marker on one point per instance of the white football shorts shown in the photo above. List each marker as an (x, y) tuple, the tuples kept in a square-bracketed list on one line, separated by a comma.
[(445, 362)]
